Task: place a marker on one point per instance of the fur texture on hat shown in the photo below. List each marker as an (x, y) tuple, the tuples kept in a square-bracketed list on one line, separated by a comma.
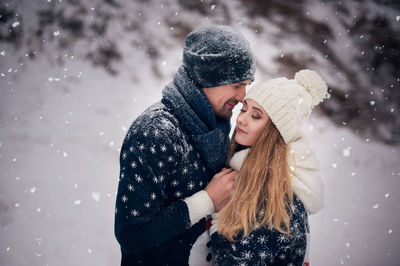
[(218, 55), (288, 103)]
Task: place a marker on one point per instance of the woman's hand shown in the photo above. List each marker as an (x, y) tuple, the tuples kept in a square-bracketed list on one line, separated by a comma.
[(220, 188)]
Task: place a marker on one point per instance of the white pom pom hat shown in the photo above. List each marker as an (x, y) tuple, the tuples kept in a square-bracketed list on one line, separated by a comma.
[(288, 102)]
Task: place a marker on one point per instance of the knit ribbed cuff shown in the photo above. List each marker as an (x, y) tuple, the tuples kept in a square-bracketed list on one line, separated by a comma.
[(199, 205)]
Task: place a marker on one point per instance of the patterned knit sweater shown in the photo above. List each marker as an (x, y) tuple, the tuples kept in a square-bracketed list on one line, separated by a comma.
[(169, 155), (265, 246)]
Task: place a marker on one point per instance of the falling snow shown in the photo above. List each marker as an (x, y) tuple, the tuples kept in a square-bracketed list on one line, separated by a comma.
[(46, 152)]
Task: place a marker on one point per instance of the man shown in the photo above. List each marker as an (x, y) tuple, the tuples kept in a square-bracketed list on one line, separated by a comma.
[(176, 147)]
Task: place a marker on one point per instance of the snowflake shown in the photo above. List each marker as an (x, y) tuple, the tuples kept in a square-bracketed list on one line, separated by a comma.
[(163, 148), (133, 164), (244, 242), (147, 204), (185, 171), (116, 210), (124, 198), (153, 196), (175, 183), (178, 194), (170, 159), (201, 183), (299, 251), (233, 247), (282, 238), (140, 159), (262, 239), (190, 186), (124, 155), (122, 175), (256, 226), (160, 164), (263, 255), (156, 132), (297, 235), (242, 264), (145, 134), (138, 178), (141, 147), (196, 166), (282, 256), (161, 178), (130, 187), (155, 180), (247, 255), (152, 150), (296, 225), (135, 213), (131, 149), (290, 264)]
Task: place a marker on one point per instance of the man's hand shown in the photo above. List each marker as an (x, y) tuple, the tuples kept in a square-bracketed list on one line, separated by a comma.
[(220, 188)]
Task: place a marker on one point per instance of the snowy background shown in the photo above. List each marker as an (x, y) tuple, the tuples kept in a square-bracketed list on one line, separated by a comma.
[(74, 74)]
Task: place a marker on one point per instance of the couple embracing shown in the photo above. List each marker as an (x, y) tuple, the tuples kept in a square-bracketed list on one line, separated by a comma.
[(188, 195)]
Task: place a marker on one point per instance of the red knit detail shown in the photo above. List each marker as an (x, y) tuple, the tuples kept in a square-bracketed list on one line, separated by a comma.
[(208, 223)]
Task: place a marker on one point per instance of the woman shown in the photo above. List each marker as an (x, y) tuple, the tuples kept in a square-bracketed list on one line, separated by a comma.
[(266, 221)]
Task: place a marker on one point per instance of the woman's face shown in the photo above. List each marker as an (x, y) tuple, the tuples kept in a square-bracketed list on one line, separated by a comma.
[(250, 122)]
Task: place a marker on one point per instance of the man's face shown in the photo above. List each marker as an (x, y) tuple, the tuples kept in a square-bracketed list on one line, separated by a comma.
[(224, 98)]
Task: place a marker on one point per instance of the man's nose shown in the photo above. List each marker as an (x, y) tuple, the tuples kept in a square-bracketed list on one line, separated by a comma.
[(241, 93)]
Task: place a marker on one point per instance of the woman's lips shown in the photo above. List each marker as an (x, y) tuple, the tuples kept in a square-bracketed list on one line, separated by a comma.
[(238, 130)]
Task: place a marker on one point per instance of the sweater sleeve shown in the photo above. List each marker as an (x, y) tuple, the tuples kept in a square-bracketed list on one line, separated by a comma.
[(304, 170), (143, 216)]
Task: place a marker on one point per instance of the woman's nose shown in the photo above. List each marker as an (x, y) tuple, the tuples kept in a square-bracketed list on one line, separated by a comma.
[(241, 119)]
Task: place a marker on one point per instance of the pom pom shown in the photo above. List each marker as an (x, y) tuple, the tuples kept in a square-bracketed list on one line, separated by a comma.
[(313, 83)]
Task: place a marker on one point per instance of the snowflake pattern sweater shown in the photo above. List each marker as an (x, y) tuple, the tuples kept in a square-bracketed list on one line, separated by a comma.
[(168, 156), (265, 246)]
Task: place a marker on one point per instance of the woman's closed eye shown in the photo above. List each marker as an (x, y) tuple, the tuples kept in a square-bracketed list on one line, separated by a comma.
[(256, 115)]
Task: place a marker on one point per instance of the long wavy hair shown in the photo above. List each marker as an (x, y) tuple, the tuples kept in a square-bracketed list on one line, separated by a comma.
[(263, 192)]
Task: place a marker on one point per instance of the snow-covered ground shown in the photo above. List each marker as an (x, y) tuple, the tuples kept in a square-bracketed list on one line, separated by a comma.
[(61, 128)]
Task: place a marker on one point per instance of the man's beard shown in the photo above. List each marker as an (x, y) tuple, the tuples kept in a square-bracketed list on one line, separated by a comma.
[(225, 112)]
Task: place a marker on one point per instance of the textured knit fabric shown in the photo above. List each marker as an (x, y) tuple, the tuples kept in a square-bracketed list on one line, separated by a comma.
[(162, 163), (218, 55), (304, 170), (265, 246), (289, 102)]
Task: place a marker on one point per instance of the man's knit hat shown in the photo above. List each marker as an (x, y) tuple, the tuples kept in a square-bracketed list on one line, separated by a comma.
[(288, 103), (218, 55)]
